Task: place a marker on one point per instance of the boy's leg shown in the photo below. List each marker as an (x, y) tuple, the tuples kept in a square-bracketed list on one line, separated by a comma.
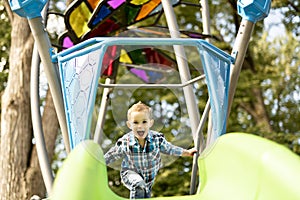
[(139, 193), (148, 192), (135, 183)]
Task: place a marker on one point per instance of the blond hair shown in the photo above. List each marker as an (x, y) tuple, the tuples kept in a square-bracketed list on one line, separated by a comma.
[(139, 107)]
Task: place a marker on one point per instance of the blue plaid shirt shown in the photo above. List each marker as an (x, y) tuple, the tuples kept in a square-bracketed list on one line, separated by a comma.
[(144, 161)]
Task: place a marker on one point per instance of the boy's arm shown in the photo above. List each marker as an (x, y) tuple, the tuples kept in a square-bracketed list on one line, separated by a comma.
[(114, 153), (168, 148)]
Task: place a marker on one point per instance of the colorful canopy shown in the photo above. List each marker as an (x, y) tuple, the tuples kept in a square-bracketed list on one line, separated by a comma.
[(85, 19)]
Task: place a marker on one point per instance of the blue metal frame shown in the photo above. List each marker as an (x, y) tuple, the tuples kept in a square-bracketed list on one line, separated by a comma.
[(254, 10), (99, 42), (28, 8)]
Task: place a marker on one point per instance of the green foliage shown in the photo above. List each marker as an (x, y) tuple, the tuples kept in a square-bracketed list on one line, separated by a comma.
[(174, 180), (5, 29), (290, 11), (276, 74), (59, 154)]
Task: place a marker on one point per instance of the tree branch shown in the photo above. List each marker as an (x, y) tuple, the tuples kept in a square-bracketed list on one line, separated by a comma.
[(294, 6), (248, 109), (8, 10)]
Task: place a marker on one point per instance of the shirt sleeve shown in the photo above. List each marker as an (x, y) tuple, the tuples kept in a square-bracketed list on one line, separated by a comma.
[(114, 153), (168, 148)]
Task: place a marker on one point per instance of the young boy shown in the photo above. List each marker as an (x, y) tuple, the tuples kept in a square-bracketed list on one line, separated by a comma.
[(140, 150)]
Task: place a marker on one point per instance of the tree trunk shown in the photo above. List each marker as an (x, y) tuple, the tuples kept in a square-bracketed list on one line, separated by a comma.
[(50, 129), (19, 168), (256, 107), (16, 127), (50, 124), (261, 115)]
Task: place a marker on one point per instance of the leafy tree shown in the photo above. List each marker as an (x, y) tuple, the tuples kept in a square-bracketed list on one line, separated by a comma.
[(267, 92), (277, 76), (5, 44), (290, 10)]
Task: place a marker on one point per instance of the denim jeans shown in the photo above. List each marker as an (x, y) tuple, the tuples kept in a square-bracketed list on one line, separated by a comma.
[(141, 193), (137, 186)]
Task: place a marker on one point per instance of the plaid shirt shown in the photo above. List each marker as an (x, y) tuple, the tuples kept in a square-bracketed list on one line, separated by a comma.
[(144, 161)]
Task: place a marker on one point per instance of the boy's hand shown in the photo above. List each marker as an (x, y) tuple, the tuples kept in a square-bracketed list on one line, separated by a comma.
[(189, 152)]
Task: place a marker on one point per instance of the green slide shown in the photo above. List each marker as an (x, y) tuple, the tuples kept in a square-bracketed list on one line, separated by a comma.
[(238, 166)]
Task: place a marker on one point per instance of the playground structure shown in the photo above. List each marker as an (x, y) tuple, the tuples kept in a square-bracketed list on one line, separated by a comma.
[(245, 174), (74, 93)]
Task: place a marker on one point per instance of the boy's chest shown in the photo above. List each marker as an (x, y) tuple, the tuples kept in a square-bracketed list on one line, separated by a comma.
[(148, 153)]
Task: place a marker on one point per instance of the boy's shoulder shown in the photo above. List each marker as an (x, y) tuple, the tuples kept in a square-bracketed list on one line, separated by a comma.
[(155, 134), (123, 139)]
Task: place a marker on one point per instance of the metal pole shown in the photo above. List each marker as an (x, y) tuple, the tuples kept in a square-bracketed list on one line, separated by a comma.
[(199, 147), (239, 51), (37, 122), (199, 136), (206, 30), (184, 71), (44, 47), (205, 18), (251, 11), (102, 111)]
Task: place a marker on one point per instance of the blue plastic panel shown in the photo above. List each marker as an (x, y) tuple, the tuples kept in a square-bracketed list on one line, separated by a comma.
[(79, 78), (217, 74)]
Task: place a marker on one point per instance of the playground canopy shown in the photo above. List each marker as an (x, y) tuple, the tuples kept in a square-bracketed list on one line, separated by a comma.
[(81, 67)]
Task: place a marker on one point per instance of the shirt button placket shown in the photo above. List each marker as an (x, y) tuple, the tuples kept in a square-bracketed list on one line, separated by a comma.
[(145, 162)]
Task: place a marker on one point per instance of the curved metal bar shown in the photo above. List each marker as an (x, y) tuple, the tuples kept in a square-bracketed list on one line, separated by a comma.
[(100, 42), (38, 133), (37, 122), (199, 146), (187, 83)]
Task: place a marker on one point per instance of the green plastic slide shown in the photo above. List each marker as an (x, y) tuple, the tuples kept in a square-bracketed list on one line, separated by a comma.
[(238, 166)]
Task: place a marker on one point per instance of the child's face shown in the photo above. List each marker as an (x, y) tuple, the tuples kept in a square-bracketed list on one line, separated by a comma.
[(140, 124)]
